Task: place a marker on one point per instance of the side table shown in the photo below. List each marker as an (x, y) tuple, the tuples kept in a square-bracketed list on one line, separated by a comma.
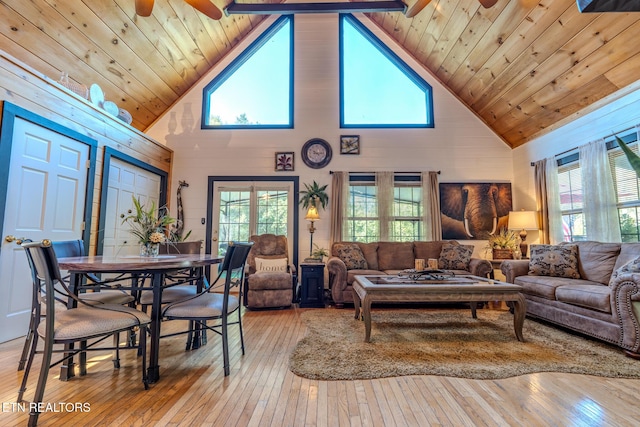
[(312, 285)]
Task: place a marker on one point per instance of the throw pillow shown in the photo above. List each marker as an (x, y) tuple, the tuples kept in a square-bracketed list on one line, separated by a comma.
[(632, 266), (272, 265), (351, 255), (554, 261), (454, 256)]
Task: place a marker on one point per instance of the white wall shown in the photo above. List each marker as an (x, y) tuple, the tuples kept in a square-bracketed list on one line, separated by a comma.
[(460, 145)]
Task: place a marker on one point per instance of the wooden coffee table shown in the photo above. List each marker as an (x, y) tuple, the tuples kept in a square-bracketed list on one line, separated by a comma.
[(467, 288)]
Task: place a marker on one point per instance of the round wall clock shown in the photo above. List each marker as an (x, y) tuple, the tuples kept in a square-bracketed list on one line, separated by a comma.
[(316, 153)]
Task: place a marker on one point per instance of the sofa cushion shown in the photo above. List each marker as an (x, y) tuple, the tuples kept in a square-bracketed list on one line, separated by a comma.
[(269, 280), (628, 252), (596, 297), (596, 260), (540, 286), (395, 255), (554, 261), (351, 255), (545, 286), (632, 266), (370, 252), (454, 256), (352, 273), (427, 250)]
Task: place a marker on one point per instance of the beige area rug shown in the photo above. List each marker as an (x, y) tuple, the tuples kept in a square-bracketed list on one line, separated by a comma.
[(446, 342)]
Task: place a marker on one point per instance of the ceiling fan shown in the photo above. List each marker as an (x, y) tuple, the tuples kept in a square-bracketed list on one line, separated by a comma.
[(144, 7), (334, 7)]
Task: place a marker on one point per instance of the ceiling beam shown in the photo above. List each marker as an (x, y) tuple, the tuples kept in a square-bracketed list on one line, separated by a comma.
[(331, 7)]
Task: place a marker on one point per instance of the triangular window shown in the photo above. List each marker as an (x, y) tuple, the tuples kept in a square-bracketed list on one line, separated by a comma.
[(377, 88), (256, 89)]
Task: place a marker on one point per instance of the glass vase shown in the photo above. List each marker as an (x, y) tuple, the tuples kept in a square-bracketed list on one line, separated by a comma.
[(149, 249)]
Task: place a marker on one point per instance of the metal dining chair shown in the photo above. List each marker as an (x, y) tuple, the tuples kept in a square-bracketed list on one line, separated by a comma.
[(74, 248), (88, 324), (211, 305), (178, 285)]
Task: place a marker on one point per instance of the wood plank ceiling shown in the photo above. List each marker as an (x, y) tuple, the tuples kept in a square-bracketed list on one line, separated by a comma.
[(523, 66)]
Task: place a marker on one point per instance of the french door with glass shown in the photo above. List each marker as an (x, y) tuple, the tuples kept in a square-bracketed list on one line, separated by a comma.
[(242, 209)]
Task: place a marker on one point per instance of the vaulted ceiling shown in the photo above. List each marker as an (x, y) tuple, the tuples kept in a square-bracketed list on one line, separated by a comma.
[(523, 66)]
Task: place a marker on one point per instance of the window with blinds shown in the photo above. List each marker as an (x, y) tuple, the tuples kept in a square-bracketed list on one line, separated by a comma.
[(626, 184), (627, 188), (570, 190), (363, 220)]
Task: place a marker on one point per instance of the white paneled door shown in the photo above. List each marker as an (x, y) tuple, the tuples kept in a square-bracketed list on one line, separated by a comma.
[(126, 181), (45, 200)]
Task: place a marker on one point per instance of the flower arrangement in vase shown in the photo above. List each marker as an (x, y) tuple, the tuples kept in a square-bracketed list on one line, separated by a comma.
[(503, 244), (149, 226)]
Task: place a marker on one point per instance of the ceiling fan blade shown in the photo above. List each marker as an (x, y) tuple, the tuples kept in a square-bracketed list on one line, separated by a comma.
[(416, 8), (488, 3), (144, 7), (206, 7)]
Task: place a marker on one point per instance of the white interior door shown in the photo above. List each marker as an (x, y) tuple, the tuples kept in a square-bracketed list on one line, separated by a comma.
[(126, 181), (45, 200)]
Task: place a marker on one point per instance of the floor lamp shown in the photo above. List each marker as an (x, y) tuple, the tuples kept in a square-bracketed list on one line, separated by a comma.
[(523, 221), (312, 216)]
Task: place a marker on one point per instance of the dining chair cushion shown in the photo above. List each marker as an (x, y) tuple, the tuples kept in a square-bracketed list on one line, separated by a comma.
[(204, 306), (86, 322), (170, 294), (106, 297)]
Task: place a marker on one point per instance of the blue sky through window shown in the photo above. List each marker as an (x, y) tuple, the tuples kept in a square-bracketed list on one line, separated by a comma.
[(255, 90), (378, 89)]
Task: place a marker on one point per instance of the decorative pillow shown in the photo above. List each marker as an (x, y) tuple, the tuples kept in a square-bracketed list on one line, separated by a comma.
[(454, 256), (351, 255), (632, 266), (554, 261), (272, 265)]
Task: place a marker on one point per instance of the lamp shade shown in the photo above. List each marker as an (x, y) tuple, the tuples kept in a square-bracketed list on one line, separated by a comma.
[(523, 220), (312, 214)]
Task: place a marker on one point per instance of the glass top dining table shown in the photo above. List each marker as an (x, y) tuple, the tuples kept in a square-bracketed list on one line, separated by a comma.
[(156, 268)]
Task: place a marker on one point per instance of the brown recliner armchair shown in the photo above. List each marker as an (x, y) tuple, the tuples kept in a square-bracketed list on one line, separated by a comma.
[(271, 277)]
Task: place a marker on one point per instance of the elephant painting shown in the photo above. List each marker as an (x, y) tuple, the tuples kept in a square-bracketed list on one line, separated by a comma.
[(474, 211)]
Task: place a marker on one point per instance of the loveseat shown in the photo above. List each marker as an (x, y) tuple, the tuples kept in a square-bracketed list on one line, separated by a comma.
[(349, 259), (589, 287)]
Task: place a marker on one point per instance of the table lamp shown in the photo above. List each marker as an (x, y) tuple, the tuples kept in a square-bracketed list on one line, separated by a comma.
[(523, 221), (312, 216)]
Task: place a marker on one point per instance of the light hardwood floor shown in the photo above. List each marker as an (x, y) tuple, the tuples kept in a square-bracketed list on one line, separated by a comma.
[(261, 391)]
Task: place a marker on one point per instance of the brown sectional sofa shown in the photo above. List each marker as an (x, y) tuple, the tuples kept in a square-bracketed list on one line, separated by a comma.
[(603, 303), (388, 258)]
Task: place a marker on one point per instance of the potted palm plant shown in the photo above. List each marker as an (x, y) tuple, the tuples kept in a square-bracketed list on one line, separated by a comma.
[(313, 194)]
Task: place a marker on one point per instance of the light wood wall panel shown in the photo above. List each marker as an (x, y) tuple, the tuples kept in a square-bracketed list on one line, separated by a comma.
[(28, 89)]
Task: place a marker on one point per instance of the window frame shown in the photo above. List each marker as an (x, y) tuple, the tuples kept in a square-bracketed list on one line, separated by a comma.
[(572, 160), (395, 60), (237, 63), (400, 180)]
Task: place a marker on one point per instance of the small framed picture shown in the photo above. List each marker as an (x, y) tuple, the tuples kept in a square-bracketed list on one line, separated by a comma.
[(349, 144), (284, 161)]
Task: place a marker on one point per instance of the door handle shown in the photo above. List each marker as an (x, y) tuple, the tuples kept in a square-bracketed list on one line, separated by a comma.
[(215, 239), (9, 238)]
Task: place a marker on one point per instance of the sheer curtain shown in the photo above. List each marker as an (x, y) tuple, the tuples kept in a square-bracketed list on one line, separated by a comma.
[(548, 201), (384, 187), (431, 222), (339, 194), (598, 193)]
